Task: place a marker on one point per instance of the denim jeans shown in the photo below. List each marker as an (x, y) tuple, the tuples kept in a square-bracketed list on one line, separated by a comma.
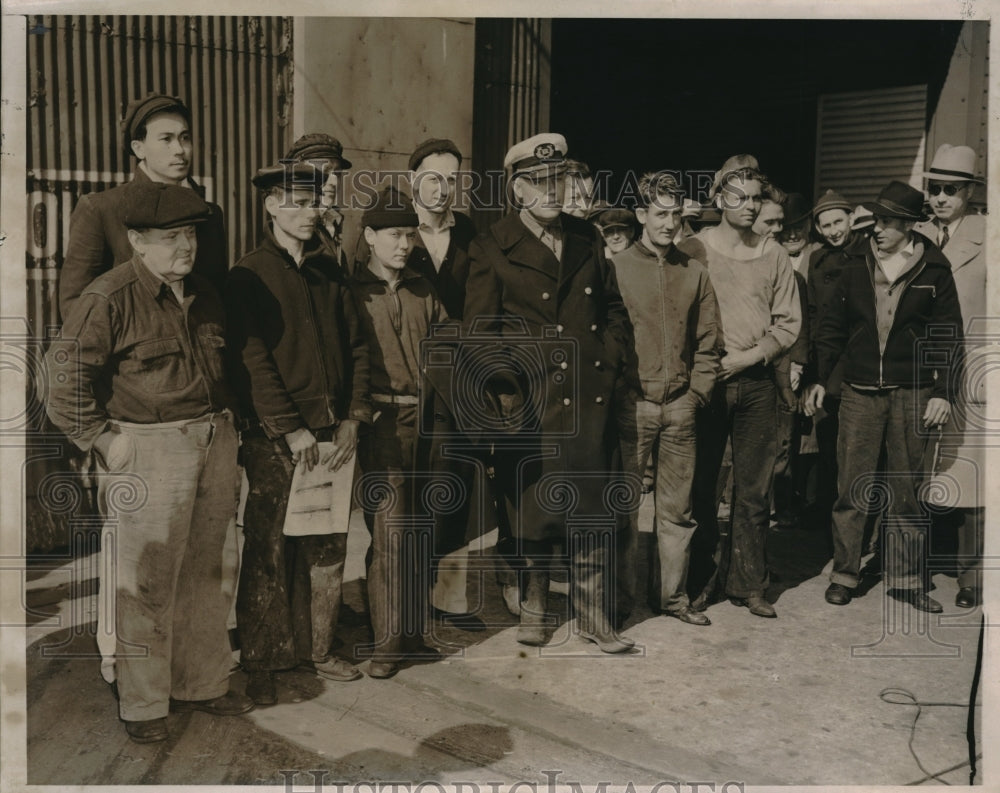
[(742, 409), (671, 428), (171, 609), (290, 587), (871, 421)]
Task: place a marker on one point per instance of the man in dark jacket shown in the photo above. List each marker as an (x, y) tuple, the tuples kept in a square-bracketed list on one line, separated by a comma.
[(302, 371), (157, 132), (540, 287), (895, 319), (673, 310)]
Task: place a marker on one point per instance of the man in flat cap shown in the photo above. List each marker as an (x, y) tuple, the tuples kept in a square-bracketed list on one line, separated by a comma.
[(895, 320), (157, 132), (147, 391), (539, 285), (673, 310), (301, 374), (961, 235), (760, 316), (617, 226), (326, 153)]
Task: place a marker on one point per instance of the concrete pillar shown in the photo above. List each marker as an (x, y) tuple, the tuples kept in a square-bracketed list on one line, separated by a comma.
[(381, 86)]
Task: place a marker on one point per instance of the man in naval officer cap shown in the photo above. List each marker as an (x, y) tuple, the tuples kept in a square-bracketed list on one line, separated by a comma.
[(540, 286)]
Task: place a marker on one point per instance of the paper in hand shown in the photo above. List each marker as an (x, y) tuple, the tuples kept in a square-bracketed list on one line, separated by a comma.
[(320, 499)]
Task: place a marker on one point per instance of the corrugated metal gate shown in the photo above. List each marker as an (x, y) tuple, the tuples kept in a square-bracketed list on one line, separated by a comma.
[(235, 75)]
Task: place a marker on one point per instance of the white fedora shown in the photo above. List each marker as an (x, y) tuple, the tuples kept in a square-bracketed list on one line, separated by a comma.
[(953, 164)]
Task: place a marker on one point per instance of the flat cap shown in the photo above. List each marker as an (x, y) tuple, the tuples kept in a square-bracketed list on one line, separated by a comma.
[(154, 205), (433, 146), (319, 146), (290, 174), (831, 199), (614, 217), (139, 112), (392, 209), (537, 153)]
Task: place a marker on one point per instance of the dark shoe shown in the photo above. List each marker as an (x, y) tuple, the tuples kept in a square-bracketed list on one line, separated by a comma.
[(512, 599), (260, 688), (921, 601), (464, 622), (837, 595), (229, 704), (757, 605), (690, 616), (967, 597), (333, 669), (148, 731), (382, 669), (609, 643)]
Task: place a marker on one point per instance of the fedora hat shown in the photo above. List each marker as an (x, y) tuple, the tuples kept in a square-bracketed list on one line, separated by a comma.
[(898, 200), (953, 164)]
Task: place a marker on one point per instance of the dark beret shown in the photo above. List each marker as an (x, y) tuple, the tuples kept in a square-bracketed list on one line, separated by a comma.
[(392, 209), (433, 146), (290, 175), (140, 110), (154, 205), (318, 146)]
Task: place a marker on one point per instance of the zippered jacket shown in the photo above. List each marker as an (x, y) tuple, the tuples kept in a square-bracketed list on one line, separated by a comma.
[(924, 340)]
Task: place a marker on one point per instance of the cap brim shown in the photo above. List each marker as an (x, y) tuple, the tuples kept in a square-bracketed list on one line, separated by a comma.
[(946, 177)]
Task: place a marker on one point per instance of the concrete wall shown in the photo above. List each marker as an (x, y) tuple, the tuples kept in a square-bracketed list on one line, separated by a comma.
[(961, 115), (383, 85)]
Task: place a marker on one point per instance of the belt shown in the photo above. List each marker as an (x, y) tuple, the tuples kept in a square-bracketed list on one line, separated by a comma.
[(395, 399), (225, 413)]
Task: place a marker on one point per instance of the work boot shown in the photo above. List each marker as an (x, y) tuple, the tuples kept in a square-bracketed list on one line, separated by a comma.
[(535, 587)]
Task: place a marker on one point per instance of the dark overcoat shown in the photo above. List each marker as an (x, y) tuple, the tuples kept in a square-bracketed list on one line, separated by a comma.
[(560, 331)]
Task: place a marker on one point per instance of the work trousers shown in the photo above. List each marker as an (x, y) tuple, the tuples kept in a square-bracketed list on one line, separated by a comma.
[(290, 587), (871, 421), (173, 496), (398, 560), (670, 428), (742, 410)]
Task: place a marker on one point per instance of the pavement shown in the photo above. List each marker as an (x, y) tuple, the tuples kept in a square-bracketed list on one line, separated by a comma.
[(796, 700)]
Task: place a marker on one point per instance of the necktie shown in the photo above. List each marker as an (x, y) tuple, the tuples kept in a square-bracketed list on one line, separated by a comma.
[(945, 236)]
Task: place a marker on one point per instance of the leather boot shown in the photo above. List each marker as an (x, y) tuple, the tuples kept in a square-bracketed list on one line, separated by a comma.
[(535, 589)]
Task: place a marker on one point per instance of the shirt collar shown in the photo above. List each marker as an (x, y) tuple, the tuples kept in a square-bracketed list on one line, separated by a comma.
[(424, 217), (156, 286), (554, 228)]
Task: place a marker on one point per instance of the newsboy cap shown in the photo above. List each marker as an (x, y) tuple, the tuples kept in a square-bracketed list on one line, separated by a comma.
[(139, 111), (613, 216), (433, 146), (155, 205), (898, 200), (287, 174), (319, 146), (392, 209), (537, 153), (831, 199)]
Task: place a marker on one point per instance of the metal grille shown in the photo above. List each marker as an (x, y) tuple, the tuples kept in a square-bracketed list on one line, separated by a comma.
[(865, 139), (233, 73)]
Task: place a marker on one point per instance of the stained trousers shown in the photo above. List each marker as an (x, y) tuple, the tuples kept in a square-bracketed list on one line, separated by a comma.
[(173, 497), (290, 587)]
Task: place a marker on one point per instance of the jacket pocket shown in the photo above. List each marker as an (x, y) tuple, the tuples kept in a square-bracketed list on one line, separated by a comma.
[(214, 349), (158, 364)]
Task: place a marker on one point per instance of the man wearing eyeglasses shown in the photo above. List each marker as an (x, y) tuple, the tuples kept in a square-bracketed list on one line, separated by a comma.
[(961, 235), (760, 317)]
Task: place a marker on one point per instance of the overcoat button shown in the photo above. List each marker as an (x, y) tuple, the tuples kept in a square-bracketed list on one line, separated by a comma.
[(564, 365), (593, 327), (559, 328), (588, 291), (599, 400), (566, 401), (545, 295)]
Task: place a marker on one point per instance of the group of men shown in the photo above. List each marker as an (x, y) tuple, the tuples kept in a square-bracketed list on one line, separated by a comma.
[(539, 366)]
